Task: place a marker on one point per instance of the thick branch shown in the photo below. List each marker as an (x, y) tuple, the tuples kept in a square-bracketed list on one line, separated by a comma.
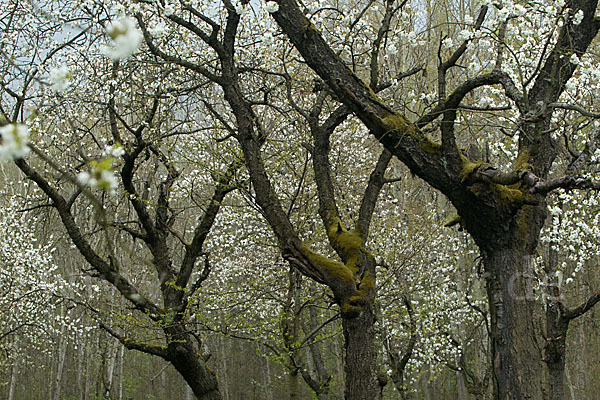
[(572, 39), (369, 200), (453, 101), (451, 61), (584, 307), (565, 182), (383, 29), (575, 107), (131, 344)]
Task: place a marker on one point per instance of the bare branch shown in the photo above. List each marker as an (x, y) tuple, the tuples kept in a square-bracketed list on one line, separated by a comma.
[(131, 344), (584, 307), (174, 59), (575, 107)]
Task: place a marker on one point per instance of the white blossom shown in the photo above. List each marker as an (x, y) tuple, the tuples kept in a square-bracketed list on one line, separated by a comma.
[(126, 38), (157, 31), (240, 9), (101, 176), (15, 138), (578, 17), (519, 10), (574, 59), (447, 43), (60, 78), (169, 10), (463, 35), (392, 49), (108, 180), (113, 151), (86, 179), (272, 7), (268, 39)]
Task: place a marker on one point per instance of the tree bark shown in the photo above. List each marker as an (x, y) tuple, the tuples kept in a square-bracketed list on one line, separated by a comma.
[(60, 363), (293, 385), (110, 370), (187, 391), (201, 380), (516, 353), (555, 351), (120, 371), (225, 350), (14, 372), (359, 335)]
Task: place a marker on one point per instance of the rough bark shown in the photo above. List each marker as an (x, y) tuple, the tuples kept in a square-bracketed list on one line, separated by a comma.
[(359, 369), (187, 391), (555, 351), (518, 368), (199, 377)]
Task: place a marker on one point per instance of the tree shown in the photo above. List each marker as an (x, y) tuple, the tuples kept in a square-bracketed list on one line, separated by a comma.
[(129, 133), (503, 211), (231, 74), (352, 280)]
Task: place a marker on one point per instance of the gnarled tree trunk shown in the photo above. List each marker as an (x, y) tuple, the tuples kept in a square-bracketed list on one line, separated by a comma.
[(360, 366), (200, 379), (516, 354)]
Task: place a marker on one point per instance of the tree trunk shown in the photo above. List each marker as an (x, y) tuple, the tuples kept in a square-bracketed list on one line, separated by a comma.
[(187, 391), (315, 364), (14, 372), (556, 329), (516, 356), (267, 381), (555, 351), (293, 385), (187, 362), (463, 393), (359, 335), (110, 370), (60, 362), (85, 394), (340, 362), (120, 371), (225, 350), (425, 383)]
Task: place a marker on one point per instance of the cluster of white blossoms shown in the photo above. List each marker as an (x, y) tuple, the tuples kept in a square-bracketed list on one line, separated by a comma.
[(29, 280), (240, 9), (101, 176), (126, 38), (60, 78), (272, 7), (15, 138), (168, 10), (113, 151)]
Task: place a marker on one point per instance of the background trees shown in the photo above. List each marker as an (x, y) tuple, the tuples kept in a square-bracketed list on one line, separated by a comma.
[(135, 150)]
